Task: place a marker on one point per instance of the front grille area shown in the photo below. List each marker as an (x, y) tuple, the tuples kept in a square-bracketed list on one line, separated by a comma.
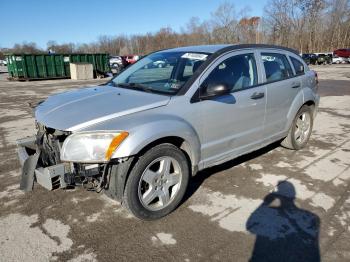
[(49, 142)]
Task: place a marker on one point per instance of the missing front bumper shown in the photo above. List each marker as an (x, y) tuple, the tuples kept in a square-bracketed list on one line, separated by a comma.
[(51, 177)]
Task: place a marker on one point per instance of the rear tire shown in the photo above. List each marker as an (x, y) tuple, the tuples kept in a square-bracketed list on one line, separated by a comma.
[(300, 131), (157, 182)]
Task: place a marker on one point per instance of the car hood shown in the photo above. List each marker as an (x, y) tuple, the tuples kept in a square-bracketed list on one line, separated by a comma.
[(75, 110)]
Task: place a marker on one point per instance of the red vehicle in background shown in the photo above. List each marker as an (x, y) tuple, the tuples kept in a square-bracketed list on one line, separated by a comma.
[(130, 59), (344, 52)]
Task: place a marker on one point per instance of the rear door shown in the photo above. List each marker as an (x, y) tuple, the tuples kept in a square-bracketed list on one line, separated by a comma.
[(281, 89)]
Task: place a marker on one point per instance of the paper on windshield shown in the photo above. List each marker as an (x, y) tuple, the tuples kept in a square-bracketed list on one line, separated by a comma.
[(194, 56)]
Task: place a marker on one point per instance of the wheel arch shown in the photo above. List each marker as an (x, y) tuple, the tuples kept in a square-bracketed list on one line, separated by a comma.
[(311, 104), (177, 141), (304, 97), (120, 172)]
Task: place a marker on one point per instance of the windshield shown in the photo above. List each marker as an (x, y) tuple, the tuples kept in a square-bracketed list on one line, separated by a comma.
[(163, 72)]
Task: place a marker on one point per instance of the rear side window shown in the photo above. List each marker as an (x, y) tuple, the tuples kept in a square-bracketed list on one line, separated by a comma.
[(298, 66), (238, 72), (276, 67)]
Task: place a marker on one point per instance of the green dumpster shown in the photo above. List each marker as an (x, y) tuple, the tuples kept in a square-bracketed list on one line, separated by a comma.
[(49, 66)]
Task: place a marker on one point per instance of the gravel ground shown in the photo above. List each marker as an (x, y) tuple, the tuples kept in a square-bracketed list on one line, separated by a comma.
[(333, 72), (229, 213)]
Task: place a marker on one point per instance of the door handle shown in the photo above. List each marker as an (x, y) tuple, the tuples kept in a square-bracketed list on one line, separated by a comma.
[(257, 95), (295, 85)]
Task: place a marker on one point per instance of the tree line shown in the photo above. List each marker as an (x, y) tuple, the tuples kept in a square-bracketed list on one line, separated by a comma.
[(305, 25)]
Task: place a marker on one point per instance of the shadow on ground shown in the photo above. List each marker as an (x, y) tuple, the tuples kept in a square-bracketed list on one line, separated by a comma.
[(283, 231)]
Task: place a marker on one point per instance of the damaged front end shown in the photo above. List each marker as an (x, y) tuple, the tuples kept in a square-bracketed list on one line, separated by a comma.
[(40, 159)]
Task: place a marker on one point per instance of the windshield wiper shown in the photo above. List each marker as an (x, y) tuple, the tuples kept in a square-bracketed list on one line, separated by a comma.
[(134, 86), (139, 87)]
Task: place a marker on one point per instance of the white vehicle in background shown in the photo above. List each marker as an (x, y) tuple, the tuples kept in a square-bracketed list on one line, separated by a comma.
[(115, 60), (339, 60), (116, 63), (3, 62), (159, 63)]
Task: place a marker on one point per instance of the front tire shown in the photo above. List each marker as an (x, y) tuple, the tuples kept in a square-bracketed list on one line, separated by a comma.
[(300, 131), (157, 182)]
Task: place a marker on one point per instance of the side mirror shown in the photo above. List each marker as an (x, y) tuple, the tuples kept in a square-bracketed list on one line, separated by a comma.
[(209, 91)]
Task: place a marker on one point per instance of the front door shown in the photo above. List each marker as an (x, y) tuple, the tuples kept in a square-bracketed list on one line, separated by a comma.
[(232, 123)]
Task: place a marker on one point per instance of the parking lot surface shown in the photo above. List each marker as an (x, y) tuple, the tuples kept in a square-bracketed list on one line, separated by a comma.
[(271, 205)]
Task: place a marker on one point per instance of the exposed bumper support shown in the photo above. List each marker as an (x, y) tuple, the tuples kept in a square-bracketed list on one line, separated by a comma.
[(27, 178), (51, 177), (24, 144)]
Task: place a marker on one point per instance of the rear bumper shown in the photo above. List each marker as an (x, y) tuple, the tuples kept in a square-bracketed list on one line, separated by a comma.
[(51, 177)]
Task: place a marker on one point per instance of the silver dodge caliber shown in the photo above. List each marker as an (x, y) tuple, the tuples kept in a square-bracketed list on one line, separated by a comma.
[(140, 137)]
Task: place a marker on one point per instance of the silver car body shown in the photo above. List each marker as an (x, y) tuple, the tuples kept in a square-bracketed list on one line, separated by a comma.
[(213, 131)]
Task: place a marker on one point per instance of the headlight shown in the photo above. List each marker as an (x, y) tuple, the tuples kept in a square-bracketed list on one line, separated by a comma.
[(91, 147)]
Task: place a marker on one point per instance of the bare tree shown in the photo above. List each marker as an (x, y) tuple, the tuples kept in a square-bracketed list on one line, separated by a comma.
[(26, 48), (66, 48), (338, 15), (225, 24)]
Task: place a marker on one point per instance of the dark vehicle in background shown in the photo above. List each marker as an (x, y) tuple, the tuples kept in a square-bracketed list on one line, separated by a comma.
[(324, 59), (344, 52), (310, 59)]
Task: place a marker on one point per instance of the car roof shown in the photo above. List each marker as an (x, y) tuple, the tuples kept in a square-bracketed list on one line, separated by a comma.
[(198, 48), (224, 48)]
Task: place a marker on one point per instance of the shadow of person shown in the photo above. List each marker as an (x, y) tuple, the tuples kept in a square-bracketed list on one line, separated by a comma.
[(283, 231)]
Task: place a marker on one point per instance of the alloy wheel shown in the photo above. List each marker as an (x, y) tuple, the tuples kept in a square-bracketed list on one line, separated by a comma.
[(302, 127), (159, 183)]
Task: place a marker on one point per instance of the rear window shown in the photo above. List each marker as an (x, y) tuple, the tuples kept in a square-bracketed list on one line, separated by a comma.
[(276, 67), (298, 66)]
